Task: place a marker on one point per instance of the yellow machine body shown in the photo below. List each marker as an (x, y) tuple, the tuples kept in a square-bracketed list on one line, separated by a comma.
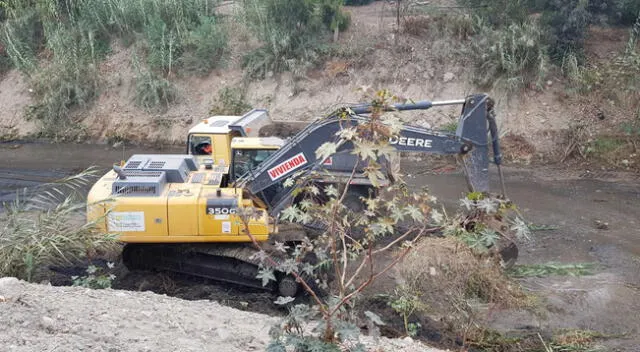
[(198, 210)]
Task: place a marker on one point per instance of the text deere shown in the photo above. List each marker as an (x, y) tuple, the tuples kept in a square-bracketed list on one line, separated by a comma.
[(411, 142)]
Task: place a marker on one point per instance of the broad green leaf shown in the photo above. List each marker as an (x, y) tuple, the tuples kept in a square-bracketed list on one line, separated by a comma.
[(326, 150)]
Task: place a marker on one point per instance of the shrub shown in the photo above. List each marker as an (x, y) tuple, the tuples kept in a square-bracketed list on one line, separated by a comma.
[(231, 101), (76, 36), (512, 57), (567, 22), (21, 37), (205, 46)]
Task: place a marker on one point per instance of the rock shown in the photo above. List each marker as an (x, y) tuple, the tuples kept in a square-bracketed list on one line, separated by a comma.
[(8, 281), (625, 162), (601, 225), (223, 334), (448, 77), (48, 323), (549, 83), (117, 144)]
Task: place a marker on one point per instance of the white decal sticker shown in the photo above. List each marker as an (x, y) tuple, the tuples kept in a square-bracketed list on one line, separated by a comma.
[(125, 221), (328, 161), (226, 227), (287, 166), (411, 142), (221, 217)]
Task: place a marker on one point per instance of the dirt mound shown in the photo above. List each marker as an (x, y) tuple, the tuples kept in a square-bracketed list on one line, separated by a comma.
[(46, 318)]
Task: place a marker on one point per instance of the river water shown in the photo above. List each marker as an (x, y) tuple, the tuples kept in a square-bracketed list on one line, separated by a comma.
[(30, 164)]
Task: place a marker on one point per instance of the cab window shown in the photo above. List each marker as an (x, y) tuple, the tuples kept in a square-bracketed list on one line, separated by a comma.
[(200, 145), (245, 160)]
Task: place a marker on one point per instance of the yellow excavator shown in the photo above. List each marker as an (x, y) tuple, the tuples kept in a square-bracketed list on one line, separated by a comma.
[(181, 213)]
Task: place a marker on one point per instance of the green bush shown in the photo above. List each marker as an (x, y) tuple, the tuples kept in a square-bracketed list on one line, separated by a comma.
[(22, 39), (567, 22), (205, 46), (231, 101), (512, 57), (71, 78)]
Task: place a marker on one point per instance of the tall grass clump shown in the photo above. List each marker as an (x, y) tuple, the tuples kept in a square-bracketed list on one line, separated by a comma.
[(292, 33), (59, 44), (512, 57), (153, 92), (46, 226)]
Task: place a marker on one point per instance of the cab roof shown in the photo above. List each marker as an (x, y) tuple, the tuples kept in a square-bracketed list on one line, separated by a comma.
[(215, 124), (257, 142)]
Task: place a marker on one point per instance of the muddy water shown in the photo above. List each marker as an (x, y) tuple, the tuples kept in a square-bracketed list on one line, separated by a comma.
[(30, 164), (605, 302)]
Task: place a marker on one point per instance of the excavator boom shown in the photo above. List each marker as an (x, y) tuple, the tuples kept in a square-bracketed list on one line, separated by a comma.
[(299, 154)]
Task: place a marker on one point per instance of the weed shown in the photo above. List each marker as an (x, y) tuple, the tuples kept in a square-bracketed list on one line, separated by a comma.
[(512, 57), (406, 301), (548, 269), (231, 101), (450, 127), (152, 92), (96, 278)]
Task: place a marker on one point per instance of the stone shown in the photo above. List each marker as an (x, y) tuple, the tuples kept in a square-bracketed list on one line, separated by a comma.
[(48, 323), (448, 77)]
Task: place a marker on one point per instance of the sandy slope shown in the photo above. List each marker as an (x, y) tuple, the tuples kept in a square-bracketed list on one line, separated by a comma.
[(45, 318)]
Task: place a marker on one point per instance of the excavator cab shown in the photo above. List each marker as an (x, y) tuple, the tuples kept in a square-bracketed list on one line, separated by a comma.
[(247, 153)]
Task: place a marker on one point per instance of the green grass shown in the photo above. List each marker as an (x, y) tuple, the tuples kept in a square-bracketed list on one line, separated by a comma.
[(548, 269)]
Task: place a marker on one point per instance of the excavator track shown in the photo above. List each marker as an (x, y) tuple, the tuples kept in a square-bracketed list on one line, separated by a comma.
[(227, 262)]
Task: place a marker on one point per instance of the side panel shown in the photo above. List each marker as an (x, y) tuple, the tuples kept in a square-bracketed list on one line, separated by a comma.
[(182, 210), (216, 214)]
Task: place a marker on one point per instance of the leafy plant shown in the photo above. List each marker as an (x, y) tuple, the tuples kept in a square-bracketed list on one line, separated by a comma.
[(60, 44), (406, 301), (205, 46), (96, 278), (346, 247)]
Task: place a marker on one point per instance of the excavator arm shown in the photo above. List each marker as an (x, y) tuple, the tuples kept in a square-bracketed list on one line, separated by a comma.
[(298, 156)]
